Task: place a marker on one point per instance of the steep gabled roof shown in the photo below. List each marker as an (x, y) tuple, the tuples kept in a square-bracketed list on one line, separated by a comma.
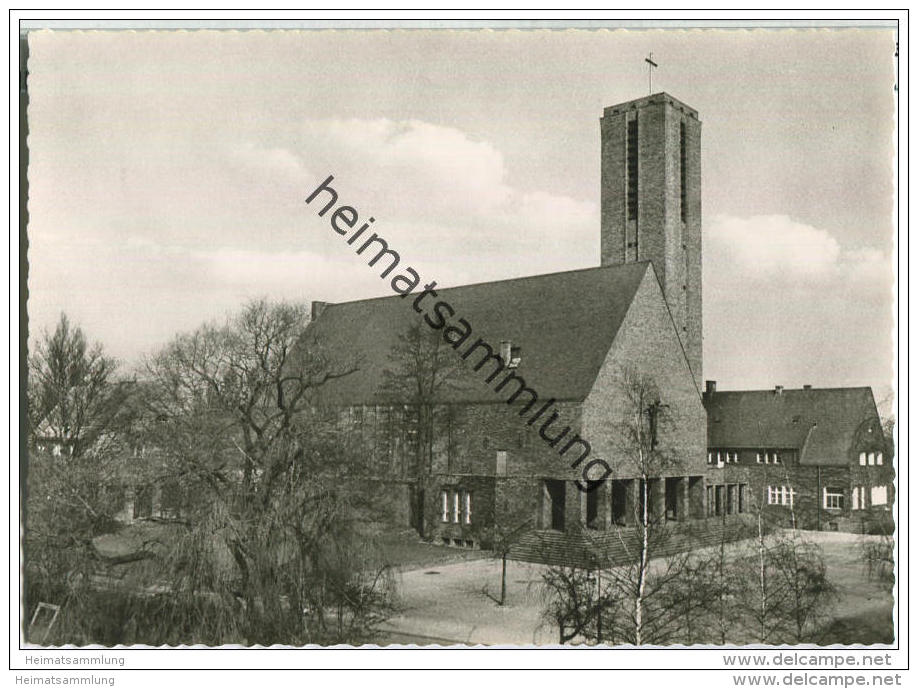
[(565, 324), (822, 423)]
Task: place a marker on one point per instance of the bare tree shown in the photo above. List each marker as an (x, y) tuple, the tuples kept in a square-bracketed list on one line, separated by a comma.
[(645, 417), (502, 537), (275, 501), (75, 403), (77, 469), (641, 599), (802, 592), (422, 368), (878, 555), (787, 592), (571, 598)]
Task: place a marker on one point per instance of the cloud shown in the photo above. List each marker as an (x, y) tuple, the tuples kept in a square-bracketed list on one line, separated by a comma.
[(425, 168), (437, 194), (787, 303), (770, 246)]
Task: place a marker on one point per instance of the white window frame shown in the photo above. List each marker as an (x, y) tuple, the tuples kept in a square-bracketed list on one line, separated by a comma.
[(879, 491), (467, 506), (781, 495), (758, 457), (871, 458), (774, 495), (444, 506), (862, 459), (858, 498), (879, 459), (836, 497), (456, 507)]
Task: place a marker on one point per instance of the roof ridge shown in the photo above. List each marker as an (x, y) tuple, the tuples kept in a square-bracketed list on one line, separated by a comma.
[(521, 278), (786, 390)]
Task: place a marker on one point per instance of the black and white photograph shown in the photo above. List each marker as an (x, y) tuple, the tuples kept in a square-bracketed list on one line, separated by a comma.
[(412, 337)]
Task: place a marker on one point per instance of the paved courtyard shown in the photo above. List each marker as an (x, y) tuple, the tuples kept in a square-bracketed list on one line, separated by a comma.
[(451, 602)]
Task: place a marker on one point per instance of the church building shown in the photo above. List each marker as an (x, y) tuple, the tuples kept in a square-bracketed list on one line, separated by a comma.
[(539, 432)]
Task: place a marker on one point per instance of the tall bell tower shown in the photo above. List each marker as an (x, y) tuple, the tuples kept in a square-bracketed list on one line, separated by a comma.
[(651, 203)]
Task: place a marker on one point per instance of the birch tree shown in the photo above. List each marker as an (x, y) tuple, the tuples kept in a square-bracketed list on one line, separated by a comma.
[(645, 417)]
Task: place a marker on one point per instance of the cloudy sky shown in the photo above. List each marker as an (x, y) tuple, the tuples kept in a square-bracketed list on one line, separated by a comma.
[(169, 169)]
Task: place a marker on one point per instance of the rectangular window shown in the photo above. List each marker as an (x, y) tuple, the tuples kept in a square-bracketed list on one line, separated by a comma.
[(741, 505), (871, 459), (444, 506), (709, 495), (632, 169), (878, 495), (710, 457), (501, 468), (467, 507), (758, 457), (863, 459), (857, 498), (781, 495), (456, 509), (682, 172), (775, 458), (879, 459), (833, 499)]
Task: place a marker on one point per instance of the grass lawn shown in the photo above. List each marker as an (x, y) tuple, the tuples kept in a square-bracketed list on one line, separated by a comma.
[(444, 601)]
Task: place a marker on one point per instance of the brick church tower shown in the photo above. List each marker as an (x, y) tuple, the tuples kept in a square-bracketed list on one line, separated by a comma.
[(651, 203)]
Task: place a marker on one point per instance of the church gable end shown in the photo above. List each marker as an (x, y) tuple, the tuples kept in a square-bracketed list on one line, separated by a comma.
[(647, 343)]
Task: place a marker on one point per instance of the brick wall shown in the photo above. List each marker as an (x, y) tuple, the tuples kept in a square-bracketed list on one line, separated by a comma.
[(647, 342), (808, 482), (674, 246)]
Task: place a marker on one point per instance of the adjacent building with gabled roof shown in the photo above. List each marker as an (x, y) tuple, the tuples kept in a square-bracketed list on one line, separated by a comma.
[(817, 453)]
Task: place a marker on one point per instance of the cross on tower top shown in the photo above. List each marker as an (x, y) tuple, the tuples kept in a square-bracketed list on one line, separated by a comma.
[(650, 66)]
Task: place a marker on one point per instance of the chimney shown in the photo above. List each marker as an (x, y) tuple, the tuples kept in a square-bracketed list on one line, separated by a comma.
[(779, 389), (710, 387), (807, 387), (317, 308), (510, 353), (516, 355)]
